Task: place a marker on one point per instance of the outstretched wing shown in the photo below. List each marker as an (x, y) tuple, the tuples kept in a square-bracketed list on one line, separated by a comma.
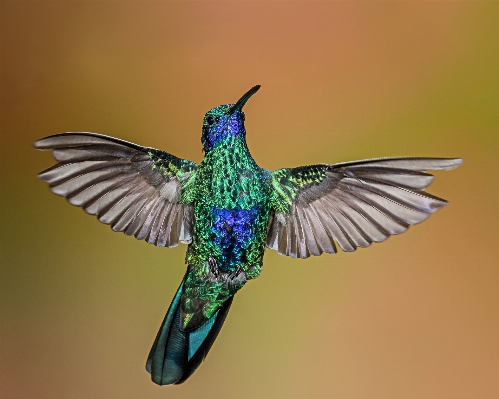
[(352, 204), (137, 190)]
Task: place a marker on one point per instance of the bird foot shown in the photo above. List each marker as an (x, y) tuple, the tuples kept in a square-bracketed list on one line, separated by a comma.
[(236, 279), (234, 274), (212, 263)]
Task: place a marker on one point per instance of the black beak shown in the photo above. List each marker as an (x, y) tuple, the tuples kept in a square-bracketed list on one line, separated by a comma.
[(240, 103)]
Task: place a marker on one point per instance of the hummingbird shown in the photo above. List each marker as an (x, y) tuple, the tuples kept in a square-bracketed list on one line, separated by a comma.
[(229, 210)]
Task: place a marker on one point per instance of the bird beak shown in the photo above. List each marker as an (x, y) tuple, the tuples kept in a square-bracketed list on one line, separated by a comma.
[(240, 103)]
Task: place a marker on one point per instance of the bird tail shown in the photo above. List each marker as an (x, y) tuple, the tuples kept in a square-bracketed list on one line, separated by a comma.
[(176, 354)]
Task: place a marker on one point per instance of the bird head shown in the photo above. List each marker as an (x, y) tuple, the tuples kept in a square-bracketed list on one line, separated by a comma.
[(225, 122)]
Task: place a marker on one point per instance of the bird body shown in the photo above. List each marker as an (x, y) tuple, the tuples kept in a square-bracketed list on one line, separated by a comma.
[(229, 210)]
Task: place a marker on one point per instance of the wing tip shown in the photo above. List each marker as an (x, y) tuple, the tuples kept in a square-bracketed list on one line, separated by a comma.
[(42, 176), (452, 163), (39, 144), (437, 205), (46, 143)]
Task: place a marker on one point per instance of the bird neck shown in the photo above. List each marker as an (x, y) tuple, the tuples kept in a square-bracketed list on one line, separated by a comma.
[(228, 177), (231, 152)]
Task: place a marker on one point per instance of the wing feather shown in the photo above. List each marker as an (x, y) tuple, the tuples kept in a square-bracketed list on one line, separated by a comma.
[(351, 204), (141, 215), (135, 189), (146, 227), (308, 231), (132, 207), (322, 237), (91, 194), (158, 222), (164, 231), (110, 198)]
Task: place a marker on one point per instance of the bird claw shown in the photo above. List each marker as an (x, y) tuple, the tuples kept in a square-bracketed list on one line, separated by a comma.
[(233, 279), (212, 263), (236, 279), (235, 273)]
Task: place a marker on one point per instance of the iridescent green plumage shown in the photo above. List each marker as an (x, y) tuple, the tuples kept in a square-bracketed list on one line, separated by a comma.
[(228, 178), (229, 210)]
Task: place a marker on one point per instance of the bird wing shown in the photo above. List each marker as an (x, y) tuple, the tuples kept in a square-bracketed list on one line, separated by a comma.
[(140, 191), (352, 204)]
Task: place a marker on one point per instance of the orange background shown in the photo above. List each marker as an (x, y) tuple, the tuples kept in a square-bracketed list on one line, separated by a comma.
[(415, 317)]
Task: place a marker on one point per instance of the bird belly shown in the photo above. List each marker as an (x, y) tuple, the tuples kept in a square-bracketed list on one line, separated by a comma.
[(233, 237), (232, 232)]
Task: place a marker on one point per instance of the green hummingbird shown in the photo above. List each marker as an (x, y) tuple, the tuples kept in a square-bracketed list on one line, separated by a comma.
[(229, 210)]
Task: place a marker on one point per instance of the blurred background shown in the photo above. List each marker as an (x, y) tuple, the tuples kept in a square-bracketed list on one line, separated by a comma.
[(414, 317)]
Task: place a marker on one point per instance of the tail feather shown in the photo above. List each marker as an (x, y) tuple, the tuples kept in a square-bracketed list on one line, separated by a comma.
[(161, 363), (176, 354), (199, 355)]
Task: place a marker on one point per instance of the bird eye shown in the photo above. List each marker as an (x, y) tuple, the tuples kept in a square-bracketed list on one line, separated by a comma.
[(210, 120)]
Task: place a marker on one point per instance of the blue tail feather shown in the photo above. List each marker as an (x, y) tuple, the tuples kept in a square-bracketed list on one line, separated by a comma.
[(197, 337), (176, 354)]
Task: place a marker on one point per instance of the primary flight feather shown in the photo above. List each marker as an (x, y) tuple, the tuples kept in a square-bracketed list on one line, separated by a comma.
[(228, 209)]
